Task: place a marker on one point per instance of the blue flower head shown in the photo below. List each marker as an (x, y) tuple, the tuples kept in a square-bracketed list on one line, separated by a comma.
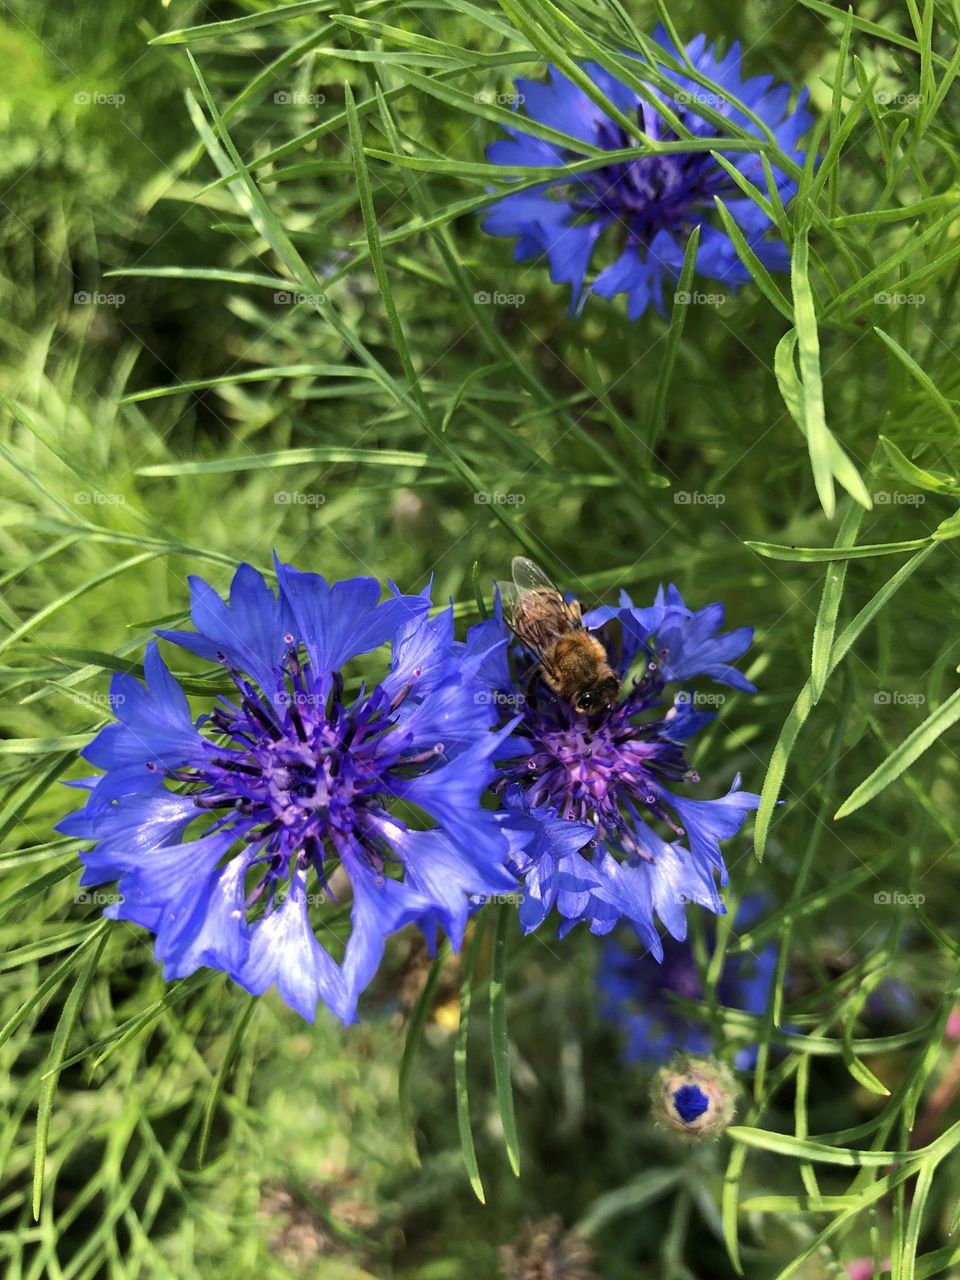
[(643, 209), (601, 811), (223, 830), (637, 995)]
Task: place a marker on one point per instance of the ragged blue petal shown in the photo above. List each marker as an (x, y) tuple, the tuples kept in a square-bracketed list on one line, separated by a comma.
[(285, 953)]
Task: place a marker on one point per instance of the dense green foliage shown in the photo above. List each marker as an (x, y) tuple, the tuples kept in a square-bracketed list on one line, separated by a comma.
[(246, 306)]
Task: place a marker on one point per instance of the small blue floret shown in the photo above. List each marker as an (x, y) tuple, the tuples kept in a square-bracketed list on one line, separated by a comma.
[(690, 1102)]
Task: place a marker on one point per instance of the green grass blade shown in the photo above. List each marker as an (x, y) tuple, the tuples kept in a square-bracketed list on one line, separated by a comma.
[(411, 1046), (499, 1038), (58, 1049), (808, 348), (461, 1081), (912, 747), (678, 316)]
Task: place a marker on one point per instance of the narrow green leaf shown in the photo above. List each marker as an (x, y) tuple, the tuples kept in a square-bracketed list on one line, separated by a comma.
[(863, 1075), (834, 579), (879, 31), (819, 555), (461, 1082), (241, 1024), (799, 1204), (730, 1204), (293, 458), (42, 947), (805, 702), (785, 1144), (43, 746), (69, 596), (38, 998), (932, 481), (924, 736), (792, 392), (678, 317), (267, 17), (411, 1045), (216, 274), (926, 382), (808, 345), (759, 274), (902, 213), (58, 1049), (650, 1186), (248, 375), (478, 595), (39, 885), (499, 1039), (921, 1191)]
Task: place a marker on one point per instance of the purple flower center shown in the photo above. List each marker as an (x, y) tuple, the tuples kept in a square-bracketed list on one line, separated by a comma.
[(601, 769), (651, 193), (299, 776)]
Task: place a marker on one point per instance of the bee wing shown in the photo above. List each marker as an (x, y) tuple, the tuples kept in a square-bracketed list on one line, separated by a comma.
[(534, 609), (528, 576), (509, 597)]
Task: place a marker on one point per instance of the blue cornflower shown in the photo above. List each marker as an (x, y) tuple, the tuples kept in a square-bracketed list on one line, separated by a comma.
[(222, 830), (649, 204), (636, 995), (583, 795)]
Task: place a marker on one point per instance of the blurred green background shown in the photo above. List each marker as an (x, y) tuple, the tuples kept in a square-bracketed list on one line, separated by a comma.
[(177, 402)]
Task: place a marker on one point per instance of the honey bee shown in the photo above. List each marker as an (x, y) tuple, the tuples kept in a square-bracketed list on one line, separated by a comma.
[(570, 661)]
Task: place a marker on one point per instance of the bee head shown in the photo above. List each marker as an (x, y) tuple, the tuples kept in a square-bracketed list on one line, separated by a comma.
[(592, 701)]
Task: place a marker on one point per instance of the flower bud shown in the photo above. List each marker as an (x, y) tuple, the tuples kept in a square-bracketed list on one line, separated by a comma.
[(694, 1096)]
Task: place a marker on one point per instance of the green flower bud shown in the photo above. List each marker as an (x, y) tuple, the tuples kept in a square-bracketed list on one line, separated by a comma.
[(694, 1096)]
